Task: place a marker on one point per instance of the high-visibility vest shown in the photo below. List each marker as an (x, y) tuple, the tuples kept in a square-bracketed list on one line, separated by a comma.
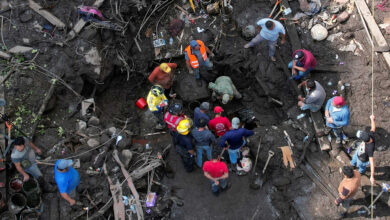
[(193, 59), (172, 120)]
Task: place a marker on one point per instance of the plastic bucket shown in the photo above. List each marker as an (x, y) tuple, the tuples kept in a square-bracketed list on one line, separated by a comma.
[(31, 187), (16, 203), (8, 216), (34, 201), (29, 216), (141, 103), (16, 184)]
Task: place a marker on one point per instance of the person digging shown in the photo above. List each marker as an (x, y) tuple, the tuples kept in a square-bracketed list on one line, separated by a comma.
[(163, 75), (157, 101), (303, 62), (269, 30), (337, 117), (347, 189), (67, 179), (364, 154), (217, 172), (315, 96), (23, 156), (196, 56), (224, 89)]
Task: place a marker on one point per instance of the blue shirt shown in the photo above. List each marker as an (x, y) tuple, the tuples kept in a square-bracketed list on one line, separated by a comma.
[(203, 138), (271, 35), (198, 115), (340, 116), (67, 181), (235, 138), (184, 141)]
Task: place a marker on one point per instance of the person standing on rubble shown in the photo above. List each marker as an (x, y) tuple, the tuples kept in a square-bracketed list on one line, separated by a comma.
[(67, 179), (315, 96), (347, 188), (217, 172), (364, 154), (23, 156), (219, 125), (269, 30), (163, 75), (157, 101), (337, 117), (224, 89), (203, 139), (201, 112), (235, 139), (196, 56), (183, 144), (303, 62), (173, 117)]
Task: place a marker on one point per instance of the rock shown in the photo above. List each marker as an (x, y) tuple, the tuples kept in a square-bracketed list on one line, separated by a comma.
[(20, 49), (387, 29), (319, 32), (281, 181), (351, 47), (127, 155), (93, 57), (333, 37), (341, 2), (92, 131), (104, 138), (94, 121), (343, 17), (125, 142), (93, 142), (26, 41), (81, 126), (249, 32), (111, 131), (25, 16), (310, 25), (348, 35)]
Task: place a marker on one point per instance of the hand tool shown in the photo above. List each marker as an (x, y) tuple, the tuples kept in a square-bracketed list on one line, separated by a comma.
[(385, 188), (276, 4), (282, 9), (270, 154)]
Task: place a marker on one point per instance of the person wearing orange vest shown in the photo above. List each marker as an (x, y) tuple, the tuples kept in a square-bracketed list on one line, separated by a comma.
[(196, 56)]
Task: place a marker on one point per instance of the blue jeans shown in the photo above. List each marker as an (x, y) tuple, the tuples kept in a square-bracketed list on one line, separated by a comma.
[(208, 64), (186, 157), (361, 165), (300, 74), (34, 171), (222, 184), (338, 132), (271, 44), (199, 152), (311, 107)]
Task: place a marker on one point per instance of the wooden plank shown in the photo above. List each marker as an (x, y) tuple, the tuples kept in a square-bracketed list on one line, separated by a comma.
[(376, 32), (47, 15)]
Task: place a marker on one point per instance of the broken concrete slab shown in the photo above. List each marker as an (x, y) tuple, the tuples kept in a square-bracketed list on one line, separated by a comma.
[(20, 49)]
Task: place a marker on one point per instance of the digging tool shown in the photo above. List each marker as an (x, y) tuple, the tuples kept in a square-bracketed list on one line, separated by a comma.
[(273, 9), (256, 181), (385, 188), (282, 9), (192, 5), (270, 154), (289, 142)]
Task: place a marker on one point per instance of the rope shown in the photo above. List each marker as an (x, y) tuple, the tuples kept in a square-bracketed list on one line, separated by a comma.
[(372, 96)]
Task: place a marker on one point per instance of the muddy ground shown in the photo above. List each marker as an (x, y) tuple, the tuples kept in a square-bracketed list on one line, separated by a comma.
[(286, 194)]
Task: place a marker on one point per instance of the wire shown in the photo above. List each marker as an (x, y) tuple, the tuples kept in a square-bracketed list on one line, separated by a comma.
[(372, 96)]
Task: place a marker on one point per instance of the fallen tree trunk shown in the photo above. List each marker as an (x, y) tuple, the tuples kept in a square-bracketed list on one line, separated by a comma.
[(116, 191)]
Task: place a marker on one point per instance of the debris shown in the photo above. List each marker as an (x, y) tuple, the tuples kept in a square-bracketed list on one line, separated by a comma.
[(287, 157), (94, 121), (47, 15), (333, 37), (281, 181), (93, 142), (351, 47), (151, 199), (343, 17), (213, 9), (319, 32), (81, 126), (20, 49), (87, 106), (175, 27), (5, 55), (301, 116), (25, 16), (200, 30), (249, 32)]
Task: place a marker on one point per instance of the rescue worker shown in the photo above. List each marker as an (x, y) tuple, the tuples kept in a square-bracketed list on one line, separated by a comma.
[(217, 172), (303, 62), (156, 102), (315, 96), (196, 56), (219, 125), (224, 89), (203, 139), (235, 139), (201, 112), (23, 156), (337, 117), (364, 154), (173, 117), (347, 188), (183, 144), (163, 75), (269, 30), (67, 179)]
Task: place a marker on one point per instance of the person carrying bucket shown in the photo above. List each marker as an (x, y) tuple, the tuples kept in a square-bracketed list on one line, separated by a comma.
[(67, 179), (164, 75)]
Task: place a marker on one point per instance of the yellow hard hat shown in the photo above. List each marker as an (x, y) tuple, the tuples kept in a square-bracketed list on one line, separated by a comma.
[(164, 67), (184, 126)]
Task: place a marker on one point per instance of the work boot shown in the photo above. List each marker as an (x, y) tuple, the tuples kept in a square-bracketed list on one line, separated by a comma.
[(228, 185), (216, 193)]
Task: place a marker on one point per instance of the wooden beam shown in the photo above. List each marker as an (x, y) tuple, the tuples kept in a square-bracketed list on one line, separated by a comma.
[(47, 15), (375, 31)]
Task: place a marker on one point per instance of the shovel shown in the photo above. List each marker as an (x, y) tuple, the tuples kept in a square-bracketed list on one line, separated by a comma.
[(256, 181)]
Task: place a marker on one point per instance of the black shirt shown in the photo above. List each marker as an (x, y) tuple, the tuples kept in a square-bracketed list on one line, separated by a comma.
[(366, 150)]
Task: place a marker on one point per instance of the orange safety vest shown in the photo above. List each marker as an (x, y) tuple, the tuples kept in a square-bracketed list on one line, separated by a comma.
[(172, 121), (193, 59)]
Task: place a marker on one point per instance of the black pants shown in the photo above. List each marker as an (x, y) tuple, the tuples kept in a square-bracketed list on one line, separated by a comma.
[(187, 158)]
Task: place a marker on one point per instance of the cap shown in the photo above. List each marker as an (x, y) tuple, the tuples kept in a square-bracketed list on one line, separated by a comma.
[(63, 164), (225, 99), (338, 100), (194, 43), (362, 135), (235, 122), (298, 55), (164, 67), (218, 109), (205, 106)]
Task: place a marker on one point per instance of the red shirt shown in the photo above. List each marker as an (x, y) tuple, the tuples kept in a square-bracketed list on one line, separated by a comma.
[(215, 169), (309, 61), (220, 125), (162, 78)]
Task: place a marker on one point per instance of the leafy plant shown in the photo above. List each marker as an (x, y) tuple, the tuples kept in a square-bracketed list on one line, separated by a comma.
[(41, 130), (60, 131)]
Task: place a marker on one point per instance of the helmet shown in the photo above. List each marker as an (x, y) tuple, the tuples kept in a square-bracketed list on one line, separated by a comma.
[(175, 108), (157, 90), (184, 126)]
